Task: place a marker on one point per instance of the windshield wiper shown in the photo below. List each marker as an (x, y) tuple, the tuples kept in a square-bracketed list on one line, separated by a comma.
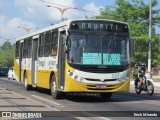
[(110, 46)]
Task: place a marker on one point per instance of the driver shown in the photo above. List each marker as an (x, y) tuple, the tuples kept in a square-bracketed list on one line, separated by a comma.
[(141, 69)]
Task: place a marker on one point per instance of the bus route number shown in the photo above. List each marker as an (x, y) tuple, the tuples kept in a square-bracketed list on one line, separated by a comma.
[(115, 75)]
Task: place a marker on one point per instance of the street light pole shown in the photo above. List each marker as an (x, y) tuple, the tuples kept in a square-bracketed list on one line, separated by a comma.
[(150, 37), (7, 39), (27, 29), (62, 10)]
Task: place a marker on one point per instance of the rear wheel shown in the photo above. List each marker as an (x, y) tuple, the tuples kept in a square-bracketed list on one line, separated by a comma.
[(54, 92), (26, 85), (106, 96), (150, 88)]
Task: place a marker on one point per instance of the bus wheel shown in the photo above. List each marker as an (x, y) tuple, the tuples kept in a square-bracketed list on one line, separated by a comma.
[(54, 92), (26, 85), (105, 96)]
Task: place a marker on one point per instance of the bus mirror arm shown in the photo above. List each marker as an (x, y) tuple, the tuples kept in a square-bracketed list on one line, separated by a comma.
[(66, 48)]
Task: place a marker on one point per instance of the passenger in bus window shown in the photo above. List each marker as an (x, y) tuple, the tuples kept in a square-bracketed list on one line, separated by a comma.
[(54, 50)]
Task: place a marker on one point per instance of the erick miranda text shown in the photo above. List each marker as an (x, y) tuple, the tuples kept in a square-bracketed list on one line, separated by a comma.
[(145, 114)]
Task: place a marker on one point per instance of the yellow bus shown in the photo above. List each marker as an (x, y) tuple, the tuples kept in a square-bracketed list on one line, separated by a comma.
[(82, 56)]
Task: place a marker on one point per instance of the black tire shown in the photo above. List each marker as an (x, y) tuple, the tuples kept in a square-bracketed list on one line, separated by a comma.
[(54, 92), (26, 85), (150, 88), (106, 96), (138, 89)]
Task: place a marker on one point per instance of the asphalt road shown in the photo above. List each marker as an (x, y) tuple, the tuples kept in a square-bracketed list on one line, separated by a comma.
[(87, 106)]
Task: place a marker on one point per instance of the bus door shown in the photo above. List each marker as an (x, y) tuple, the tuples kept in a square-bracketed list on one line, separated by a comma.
[(34, 59), (20, 60), (61, 60)]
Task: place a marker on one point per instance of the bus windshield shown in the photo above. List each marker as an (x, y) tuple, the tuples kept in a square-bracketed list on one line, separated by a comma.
[(92, 49)]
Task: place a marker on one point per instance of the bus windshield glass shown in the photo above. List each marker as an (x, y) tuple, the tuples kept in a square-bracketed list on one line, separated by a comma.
[(92, 49)]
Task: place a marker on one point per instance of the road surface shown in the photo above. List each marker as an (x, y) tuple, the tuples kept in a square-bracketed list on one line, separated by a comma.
[(84, 106)]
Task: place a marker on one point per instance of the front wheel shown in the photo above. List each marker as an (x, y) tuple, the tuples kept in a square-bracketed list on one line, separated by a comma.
[(54, 92), (138, 89), (26, 85), (106, 96), (150, 88)]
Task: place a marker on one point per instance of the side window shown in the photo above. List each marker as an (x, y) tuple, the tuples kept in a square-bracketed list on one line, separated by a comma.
[(41, 45), (29, 47), (54, 43), (47, 44), (25, 52), (17, 50)]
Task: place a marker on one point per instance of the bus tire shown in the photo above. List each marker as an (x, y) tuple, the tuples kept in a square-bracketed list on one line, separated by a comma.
[(106, 96), (26, 85), (54, 92)]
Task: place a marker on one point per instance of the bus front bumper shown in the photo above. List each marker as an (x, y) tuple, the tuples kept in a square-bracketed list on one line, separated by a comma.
[(76, 86)]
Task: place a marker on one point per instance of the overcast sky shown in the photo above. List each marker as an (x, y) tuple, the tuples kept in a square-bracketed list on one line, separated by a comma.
[(35, 13)]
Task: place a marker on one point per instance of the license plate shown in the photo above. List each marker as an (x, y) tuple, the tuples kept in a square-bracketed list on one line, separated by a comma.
[(100, 86)]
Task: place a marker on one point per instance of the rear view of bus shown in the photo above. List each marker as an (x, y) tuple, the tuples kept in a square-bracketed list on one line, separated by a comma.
[(97, 57)]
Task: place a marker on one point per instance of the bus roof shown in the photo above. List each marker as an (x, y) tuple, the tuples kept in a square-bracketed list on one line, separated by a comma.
[(61, 24)]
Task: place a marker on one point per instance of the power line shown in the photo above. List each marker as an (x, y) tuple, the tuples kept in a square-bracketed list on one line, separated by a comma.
[(67, 6)]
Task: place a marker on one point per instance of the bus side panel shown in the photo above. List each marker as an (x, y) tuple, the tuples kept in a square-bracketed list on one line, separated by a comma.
[(16, 69), (43, 78), (29, 76)]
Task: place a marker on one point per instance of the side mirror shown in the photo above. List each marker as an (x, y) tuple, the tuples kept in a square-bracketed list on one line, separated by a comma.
[(132, 48), (66, 43)]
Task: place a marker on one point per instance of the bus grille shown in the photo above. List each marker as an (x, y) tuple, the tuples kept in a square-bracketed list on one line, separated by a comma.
[(103, 70), (100, 80)]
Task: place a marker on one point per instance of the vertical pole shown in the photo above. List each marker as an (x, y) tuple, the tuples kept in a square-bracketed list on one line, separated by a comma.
[(150, 37)]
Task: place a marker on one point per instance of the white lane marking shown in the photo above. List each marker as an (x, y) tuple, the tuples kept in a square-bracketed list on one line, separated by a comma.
[(32, 100), (104, 118), (45, 99), (97, 116)]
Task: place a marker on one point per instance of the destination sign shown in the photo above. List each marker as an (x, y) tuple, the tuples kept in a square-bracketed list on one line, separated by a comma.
[(95, 59), (99, 25), (111, 59), (92, 58)]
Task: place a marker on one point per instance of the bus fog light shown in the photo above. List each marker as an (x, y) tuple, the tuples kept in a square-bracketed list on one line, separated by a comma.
[(75, 77)]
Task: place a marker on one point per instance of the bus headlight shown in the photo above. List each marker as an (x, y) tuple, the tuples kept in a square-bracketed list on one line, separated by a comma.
[(71, 73), (75, 77), (81, 79), (123, 79)]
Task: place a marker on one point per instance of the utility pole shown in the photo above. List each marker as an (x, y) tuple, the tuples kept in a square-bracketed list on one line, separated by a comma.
[(150, 37)]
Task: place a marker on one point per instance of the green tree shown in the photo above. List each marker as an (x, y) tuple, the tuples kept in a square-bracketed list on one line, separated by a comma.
[(6, 54), (136, 14)]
